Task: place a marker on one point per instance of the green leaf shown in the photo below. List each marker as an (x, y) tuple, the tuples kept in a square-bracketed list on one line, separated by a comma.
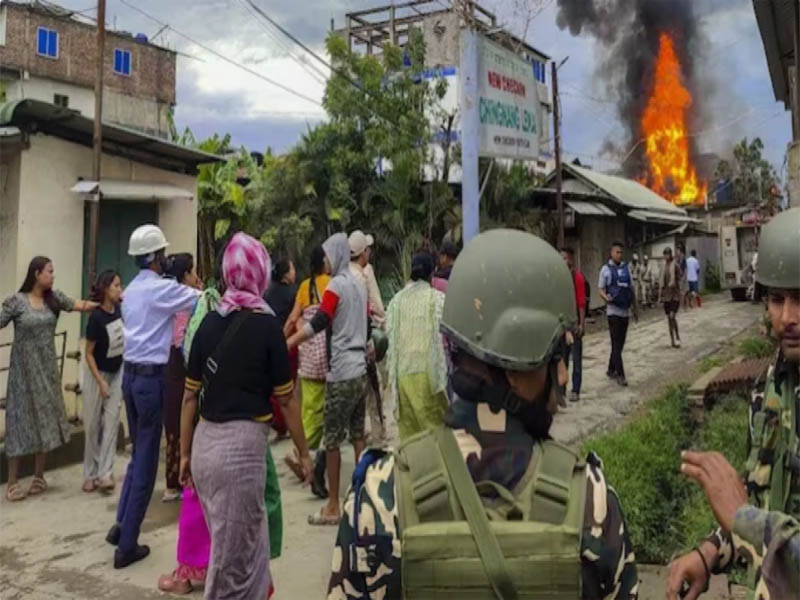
[(221, 228)]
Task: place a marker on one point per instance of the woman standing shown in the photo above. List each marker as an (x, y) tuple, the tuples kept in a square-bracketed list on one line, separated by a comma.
[(280, 298), (102, 383), (181, 268), (417, 370), (35, 418), (312, 365), (239, 357)]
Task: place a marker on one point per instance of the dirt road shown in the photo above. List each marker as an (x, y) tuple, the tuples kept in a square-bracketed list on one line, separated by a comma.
[(52, 546)]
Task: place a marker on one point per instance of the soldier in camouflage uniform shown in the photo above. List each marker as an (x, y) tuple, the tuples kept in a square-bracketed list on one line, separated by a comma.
[(759, 519), (510, 301)]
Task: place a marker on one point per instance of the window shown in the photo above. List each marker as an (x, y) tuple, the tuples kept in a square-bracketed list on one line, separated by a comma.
[(61, 100), (539, 71), (122, 62), (47, 42)]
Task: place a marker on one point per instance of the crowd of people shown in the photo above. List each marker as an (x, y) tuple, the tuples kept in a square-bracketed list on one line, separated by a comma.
[(473, 355)]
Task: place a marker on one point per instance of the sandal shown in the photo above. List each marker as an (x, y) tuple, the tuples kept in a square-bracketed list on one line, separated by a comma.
[(174, 585), (293, 463), (15, 493), (38, 486), (89, 485), (322, 519)]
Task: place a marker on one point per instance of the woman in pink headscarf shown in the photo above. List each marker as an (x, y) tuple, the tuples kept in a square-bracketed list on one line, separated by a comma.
[(239, 358)]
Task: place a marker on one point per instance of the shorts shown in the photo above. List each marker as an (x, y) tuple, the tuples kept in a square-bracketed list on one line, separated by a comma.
[(694, 286), (344, 411), (671, 306)]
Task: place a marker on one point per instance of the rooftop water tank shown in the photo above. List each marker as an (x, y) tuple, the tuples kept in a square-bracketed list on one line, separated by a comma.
[(141, 37)]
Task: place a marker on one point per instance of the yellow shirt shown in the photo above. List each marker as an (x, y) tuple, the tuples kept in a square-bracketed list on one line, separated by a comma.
[(302, 296)]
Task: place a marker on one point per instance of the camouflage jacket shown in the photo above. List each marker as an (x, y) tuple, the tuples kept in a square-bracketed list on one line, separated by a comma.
[(765, 536), (608, 563)]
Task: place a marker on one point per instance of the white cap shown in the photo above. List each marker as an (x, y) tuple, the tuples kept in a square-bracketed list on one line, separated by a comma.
[(146, 239), (359, 241)]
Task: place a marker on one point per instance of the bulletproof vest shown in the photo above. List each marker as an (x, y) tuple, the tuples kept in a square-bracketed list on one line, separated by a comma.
[(620, 288), (465, 539), (773, 463)]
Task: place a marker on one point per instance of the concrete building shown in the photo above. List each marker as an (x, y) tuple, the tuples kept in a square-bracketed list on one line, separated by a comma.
[(779, 24), (45, 188), (49, 54)]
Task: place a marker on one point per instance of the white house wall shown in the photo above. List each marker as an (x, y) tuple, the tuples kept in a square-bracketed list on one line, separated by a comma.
[(51, 220)]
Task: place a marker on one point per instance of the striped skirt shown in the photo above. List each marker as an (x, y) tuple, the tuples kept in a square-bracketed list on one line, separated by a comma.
[(229, 473)]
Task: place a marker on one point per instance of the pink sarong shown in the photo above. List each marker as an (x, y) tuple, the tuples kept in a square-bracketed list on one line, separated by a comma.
[(194, 539)]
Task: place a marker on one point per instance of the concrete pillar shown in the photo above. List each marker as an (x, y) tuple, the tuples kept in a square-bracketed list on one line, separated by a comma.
[(470, 131)]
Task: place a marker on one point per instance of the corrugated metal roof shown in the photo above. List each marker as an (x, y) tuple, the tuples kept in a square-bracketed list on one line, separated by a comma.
[(112, 189), (739, 375), (649, 216), (590, 208), (775, 22), (627, 192), (34, 115)]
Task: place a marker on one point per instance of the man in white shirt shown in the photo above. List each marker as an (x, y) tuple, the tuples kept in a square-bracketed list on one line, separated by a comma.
[(360, 255), (693, 277), (149, 305)]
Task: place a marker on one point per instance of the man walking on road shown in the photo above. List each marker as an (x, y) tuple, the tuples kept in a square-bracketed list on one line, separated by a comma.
[(759, 519), (581, 302), (344, 311), (693, 277), (615, 287), (149, 306), (669, 292), (360, 255)]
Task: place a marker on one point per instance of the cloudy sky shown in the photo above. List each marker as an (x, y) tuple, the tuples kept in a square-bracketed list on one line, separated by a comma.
[(216, 96)]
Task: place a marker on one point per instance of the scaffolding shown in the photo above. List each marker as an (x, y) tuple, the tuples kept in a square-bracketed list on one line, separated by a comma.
[(368, 30)]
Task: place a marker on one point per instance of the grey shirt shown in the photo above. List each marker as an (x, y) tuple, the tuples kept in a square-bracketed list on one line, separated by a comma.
[(603, 283)]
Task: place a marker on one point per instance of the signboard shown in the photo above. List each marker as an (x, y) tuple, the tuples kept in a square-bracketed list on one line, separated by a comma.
[(509, 110)]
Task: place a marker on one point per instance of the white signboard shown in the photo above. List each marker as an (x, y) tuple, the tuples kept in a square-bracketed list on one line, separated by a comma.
[(509, 111)]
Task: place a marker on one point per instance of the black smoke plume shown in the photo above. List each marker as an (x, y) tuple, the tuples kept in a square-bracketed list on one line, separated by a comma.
[(628, 33)]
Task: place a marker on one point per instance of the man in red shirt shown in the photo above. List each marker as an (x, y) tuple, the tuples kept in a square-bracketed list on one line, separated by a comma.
[(581, 304)]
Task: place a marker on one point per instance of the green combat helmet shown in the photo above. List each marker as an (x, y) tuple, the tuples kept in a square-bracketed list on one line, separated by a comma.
[(779, 251), (510, 298)]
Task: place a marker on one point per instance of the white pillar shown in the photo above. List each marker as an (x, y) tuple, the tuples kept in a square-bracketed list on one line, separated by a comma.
[(468, 78)]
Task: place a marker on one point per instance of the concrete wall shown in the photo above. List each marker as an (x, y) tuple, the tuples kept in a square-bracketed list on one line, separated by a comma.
[(51, 220), (9, 217), (708, 251), (145, 114), (793, 174)]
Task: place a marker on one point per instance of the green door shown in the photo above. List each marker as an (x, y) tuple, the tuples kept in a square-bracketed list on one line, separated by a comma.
[(118, 219)]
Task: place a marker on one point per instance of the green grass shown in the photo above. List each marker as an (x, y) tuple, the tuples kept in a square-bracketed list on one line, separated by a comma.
[(709, 362), (665, 512), (756, 347)]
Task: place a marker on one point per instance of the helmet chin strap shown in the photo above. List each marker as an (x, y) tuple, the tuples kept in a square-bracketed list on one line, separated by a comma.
[(555, 393)]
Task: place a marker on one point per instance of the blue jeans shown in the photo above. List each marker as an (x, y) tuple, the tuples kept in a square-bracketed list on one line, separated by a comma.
[(144, 400), (577, 364)]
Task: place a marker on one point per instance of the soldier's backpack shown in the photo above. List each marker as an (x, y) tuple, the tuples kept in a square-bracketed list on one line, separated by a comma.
[(521, 543)]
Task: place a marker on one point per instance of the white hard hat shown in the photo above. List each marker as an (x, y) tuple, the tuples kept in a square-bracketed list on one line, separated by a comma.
[(359, 241), (146, 239)]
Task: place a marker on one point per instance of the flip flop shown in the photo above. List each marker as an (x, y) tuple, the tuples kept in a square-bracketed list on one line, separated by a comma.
[(15, 493), (38, 486), (321, 519), (89, 486)]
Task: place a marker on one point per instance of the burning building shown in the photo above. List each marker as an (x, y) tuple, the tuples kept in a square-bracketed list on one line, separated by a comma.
[(647, 64)]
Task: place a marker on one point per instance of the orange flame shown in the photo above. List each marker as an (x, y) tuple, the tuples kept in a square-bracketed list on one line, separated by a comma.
[(663, 122)]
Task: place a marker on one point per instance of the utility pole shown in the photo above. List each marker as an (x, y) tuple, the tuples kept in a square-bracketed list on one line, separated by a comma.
[(470, 133), (97, 140), (557, 141), (796, 91)]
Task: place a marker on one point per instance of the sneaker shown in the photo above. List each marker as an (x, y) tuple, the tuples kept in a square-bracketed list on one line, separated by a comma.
[(124, 560), (112, 537), (611, 375), (622, 381), (171, 495), (574, 397), (678, 344)]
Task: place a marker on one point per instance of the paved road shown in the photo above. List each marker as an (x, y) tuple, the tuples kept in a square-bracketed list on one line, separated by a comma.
[(52, 546)]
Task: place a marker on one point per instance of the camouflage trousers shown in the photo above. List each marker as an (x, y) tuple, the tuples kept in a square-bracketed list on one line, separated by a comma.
[(344, 411)]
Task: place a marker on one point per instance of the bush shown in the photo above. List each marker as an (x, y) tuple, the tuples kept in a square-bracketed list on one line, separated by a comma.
[(710, 362), (642, 463), (665, 512), (757, 347), (713, 281)]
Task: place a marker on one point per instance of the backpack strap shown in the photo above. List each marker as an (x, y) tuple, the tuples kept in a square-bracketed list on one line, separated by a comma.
[(488, 547), (426, 490), (552, 482)]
